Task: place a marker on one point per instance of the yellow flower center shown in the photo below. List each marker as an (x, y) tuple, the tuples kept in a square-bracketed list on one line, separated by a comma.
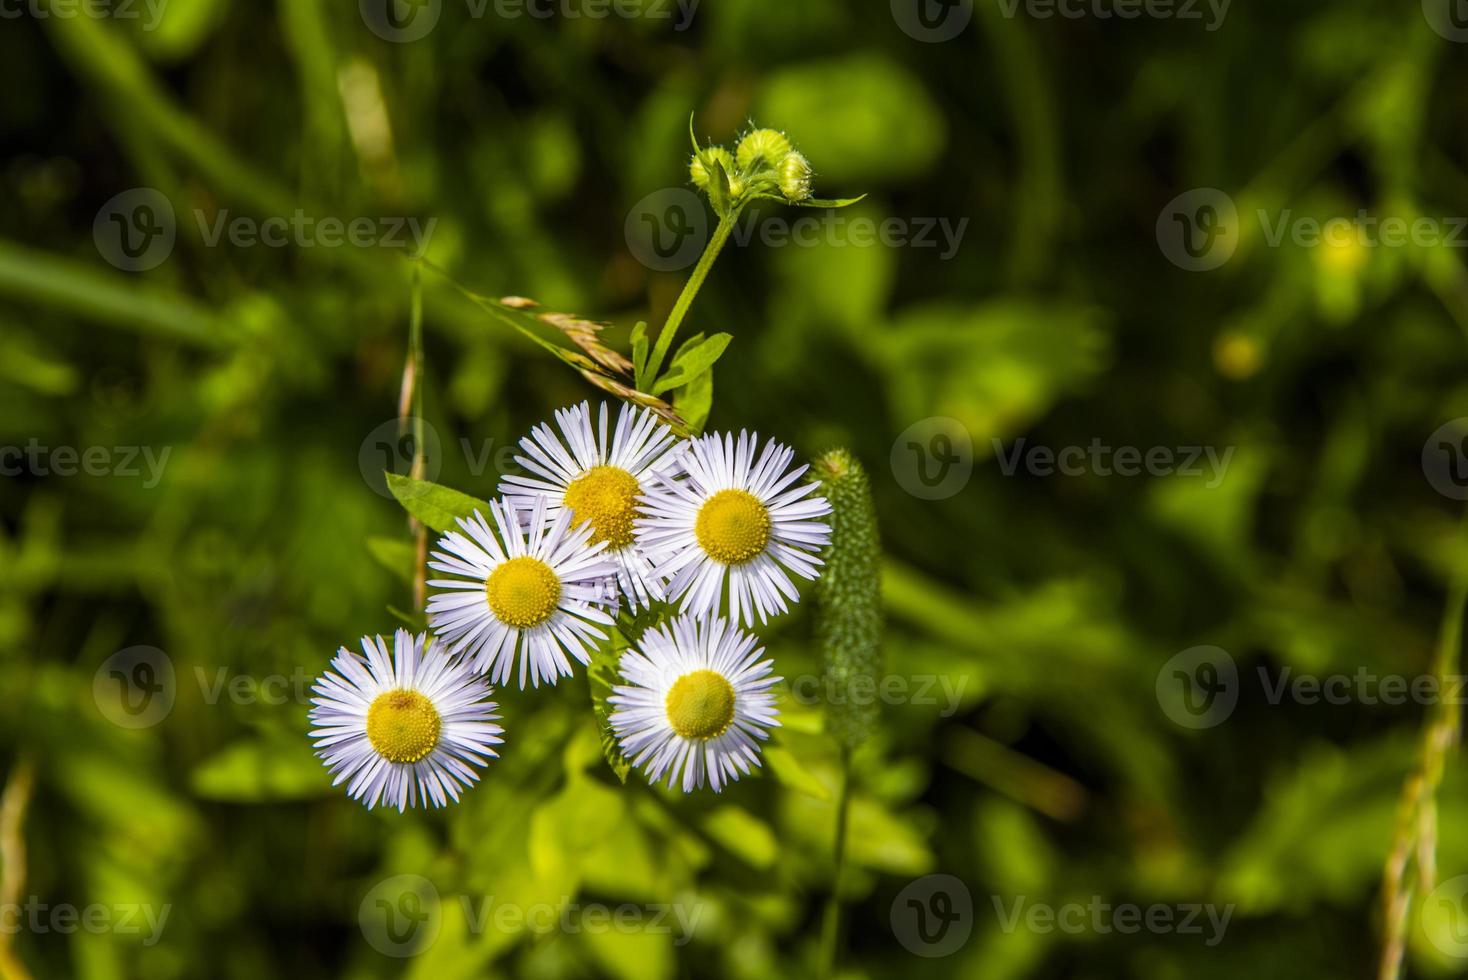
[(522, 592), (403, 726), (733, 526), (700, 705), (606, 498)]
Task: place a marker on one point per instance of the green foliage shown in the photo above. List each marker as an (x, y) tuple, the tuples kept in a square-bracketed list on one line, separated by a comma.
[(603, 675), (1038, 609), (694, 359), (438, 507)]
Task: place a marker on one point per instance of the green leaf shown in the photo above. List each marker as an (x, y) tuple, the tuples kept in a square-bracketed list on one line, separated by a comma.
[(828, 202), (395, 555), (694, 400), (603, 676), (692, 362), (719, 195), (436, 506), (639, 355)]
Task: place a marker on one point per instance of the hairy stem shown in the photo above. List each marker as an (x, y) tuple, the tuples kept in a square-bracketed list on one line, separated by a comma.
[(690, 290), (849, 630), (831, 927)]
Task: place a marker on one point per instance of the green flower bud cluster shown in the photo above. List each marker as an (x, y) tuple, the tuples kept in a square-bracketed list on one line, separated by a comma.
[(763, 165)]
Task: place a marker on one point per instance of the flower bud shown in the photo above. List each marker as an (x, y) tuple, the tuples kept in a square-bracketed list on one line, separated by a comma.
[(701, 167), (762, 148), (795, 177)]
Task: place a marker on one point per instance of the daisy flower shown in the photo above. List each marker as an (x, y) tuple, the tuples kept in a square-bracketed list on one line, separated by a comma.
[(734, 519), (698, 703), (405, 726), (530, 593), (600, 480)]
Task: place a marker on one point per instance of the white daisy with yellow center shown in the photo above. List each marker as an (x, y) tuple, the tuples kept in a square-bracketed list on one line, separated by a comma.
[(405, 727), (697, 703), (600, 480), (531, 593), (730, 524)]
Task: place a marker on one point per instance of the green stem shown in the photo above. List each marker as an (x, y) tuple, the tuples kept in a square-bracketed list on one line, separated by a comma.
[(412, 400), (690, 290), (1414, 844), (831, 931)]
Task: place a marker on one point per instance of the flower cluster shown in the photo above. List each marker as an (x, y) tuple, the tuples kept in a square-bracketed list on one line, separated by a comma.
[(607, 517), (763, 165)]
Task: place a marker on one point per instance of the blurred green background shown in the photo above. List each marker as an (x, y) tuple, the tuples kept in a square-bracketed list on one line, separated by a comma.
[(1035, 611)]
